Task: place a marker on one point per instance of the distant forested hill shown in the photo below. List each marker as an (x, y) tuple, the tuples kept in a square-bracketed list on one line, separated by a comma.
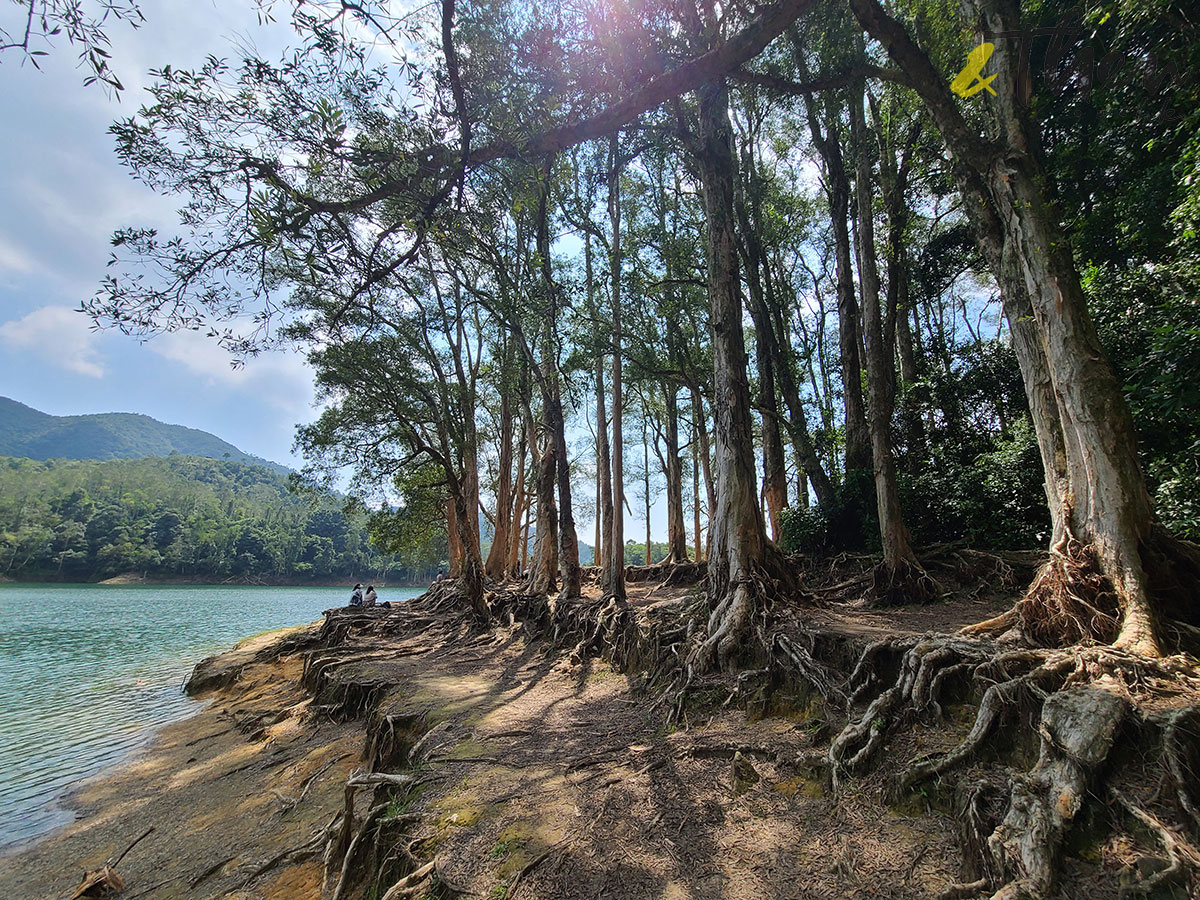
[(25, 431), (181, 516)]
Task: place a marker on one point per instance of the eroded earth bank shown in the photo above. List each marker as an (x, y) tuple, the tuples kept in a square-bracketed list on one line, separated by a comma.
[(409, 753)]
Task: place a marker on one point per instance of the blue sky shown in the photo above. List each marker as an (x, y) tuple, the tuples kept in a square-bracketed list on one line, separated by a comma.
[(63, 193)]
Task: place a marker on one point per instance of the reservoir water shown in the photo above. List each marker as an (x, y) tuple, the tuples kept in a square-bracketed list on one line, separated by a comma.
[(88, 673)]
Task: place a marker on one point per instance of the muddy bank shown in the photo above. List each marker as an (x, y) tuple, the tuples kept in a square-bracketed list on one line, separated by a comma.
[(403, 754)]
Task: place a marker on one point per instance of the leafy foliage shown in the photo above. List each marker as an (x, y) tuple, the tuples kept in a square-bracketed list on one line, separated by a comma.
[(181, 516)]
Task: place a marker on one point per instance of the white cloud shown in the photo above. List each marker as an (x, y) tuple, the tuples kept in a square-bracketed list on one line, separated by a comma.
[(14, 259), (280, 379), (60, 336)]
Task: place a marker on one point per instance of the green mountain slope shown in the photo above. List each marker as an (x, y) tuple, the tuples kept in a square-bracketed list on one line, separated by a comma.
[(182, 517), (26, 432)]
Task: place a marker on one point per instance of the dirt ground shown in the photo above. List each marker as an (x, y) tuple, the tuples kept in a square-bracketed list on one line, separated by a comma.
[(538, 776)]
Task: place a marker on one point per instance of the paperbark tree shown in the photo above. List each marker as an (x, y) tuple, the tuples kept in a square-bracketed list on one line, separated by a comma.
[(1106, 507), (899, 578), (837, 189), (613, 576), (743, 565)]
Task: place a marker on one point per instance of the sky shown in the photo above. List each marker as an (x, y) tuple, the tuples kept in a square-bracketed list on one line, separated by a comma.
[(63, 193)]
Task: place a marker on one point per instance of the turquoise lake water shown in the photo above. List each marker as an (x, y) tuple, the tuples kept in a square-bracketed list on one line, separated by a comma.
[(88, 673)]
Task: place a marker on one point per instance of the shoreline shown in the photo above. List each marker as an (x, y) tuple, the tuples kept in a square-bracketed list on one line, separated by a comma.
[(65, 804), (404, 753), (490, 747), (130, 579)]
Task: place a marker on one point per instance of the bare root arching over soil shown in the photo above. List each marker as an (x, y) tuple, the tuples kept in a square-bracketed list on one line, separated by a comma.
[(566, 749), (1032, 750)]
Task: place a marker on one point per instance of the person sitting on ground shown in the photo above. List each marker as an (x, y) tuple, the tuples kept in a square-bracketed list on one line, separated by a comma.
[(370, 597), (356, 598)]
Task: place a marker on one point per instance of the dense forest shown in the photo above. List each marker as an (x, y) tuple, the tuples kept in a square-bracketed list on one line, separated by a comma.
[(184, 517), (848, 306), (843, 275)]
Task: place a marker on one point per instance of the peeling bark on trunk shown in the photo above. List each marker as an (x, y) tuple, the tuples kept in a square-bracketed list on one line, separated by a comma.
[(673, 470), (1107, 505), (613, 575), (543, 570), (497, 557), (741, 554), (471, 567), (568, 541), (898, 559), (512, 566)]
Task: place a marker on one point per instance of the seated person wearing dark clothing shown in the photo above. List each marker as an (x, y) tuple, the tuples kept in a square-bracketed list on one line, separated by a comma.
[(356, 599)]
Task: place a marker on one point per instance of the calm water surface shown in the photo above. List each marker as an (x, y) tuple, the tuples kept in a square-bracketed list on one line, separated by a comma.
[(89, 672)]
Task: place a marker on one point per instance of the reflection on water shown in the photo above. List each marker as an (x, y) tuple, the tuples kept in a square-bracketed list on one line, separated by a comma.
[(88, 672)]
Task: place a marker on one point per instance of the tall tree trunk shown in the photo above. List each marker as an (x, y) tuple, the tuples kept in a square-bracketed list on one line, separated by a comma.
[(646, 483), (837, 185), (740, 550), (454, 541), (797, 421), (471, 570), (901, 578), (568, 540), (768, 325), (604, 503), (497, 556), (525, 538), (613, 575), (1108, 508), (701, 425), (774, 487), (543, 571), (512, 566), (604, 494), (673, 470), (697, 533)]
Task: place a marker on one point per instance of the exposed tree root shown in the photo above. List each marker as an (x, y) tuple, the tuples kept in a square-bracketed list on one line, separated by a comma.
[(1071, 600), (1079, 700), (410, 882), (1181, 747), (742, 614), (290, 856), (1181, 856), (905, 583)]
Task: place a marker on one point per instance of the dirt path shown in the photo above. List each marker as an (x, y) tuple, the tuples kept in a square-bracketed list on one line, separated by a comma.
[(544, 777)]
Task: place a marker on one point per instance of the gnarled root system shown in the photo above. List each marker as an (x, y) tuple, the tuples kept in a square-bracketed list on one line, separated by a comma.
[(1079, 702)]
